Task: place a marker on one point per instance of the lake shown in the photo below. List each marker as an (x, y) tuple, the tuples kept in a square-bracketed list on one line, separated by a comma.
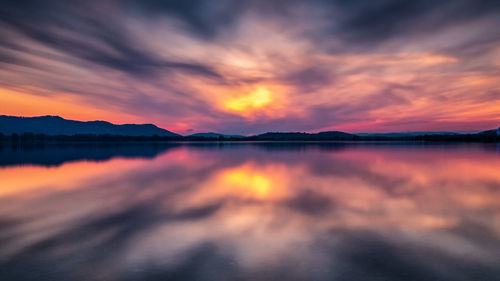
[(250, 211)]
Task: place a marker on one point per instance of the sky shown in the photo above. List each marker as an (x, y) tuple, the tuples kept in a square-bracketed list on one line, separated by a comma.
[(253, 66)]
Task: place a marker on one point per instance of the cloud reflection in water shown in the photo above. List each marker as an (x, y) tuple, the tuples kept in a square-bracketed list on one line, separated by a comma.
[(257, 212)]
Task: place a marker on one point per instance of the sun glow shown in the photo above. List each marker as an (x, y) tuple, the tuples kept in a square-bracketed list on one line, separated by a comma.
[(255, 100)]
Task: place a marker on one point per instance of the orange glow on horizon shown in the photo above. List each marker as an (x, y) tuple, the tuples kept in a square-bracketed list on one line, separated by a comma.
[(19, 103)]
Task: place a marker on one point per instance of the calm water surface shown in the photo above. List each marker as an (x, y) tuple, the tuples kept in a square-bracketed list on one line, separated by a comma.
[(250, 212)]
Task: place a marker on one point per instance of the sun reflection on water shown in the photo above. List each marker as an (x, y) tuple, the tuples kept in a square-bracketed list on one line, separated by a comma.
[(288, 210), (250, 181)]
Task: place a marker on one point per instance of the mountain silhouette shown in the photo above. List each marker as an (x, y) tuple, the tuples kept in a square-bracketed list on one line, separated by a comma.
[(55, 125), (330, 135), (54, 128), (406, 134), (214, 135), (494, 132)]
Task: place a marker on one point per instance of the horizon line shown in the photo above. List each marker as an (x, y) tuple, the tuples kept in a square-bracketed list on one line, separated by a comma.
[(248, 135)]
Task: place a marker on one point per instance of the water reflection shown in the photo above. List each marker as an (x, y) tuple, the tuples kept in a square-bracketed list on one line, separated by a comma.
[(57, 154), (254, 212)]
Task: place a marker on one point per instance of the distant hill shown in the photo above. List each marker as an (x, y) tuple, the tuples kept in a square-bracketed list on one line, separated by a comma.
[(331, 135), (214, 135), (54, 128), (494, 132), (55, 125), (405, 134)]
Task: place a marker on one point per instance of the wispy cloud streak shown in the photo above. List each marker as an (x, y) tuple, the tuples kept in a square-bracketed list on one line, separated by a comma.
[(350, 65)]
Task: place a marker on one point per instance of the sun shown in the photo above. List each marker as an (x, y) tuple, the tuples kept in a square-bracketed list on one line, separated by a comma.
[(257, 99)]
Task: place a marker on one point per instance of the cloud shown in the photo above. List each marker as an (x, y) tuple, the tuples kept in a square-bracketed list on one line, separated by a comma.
[(331, 64), (205, 19), (309, 79), (89, 35)]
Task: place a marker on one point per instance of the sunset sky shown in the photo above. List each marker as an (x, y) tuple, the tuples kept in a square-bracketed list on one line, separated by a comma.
[(252, 66)]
